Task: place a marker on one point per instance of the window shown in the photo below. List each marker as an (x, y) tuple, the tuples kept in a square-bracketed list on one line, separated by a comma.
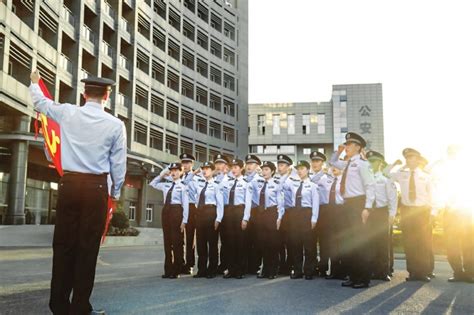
[(276, 124), (307, 151), (187, 119), (306, 124), (156, 139), (140, 134), (261, 125), (271, 149), (149, 213), (172, 112), (287, 149), (291, 124), (171, 145), (321, 123), (131, 211), (157, 105)]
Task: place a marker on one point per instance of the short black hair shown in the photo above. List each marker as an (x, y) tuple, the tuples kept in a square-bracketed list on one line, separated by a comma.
[(95, 91)]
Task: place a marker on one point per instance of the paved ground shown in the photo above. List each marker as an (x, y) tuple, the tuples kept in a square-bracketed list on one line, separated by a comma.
[(128, 282)]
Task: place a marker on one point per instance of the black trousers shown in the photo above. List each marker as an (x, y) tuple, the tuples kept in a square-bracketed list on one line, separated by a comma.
[(379, 229), (285, 264), (268, 240), (356, 247), (323, 229), (335, 229), (415, 224), (252, 250), (190, 234), (302, 241), (80, 221), (235, 239), (459, 233), (207, 238), (171, 218), (224, 243)]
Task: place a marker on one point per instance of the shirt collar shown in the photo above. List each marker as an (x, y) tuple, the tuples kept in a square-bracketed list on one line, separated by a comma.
[(94, 105)]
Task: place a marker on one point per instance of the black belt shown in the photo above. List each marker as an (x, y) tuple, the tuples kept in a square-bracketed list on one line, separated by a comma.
[(84, 174)]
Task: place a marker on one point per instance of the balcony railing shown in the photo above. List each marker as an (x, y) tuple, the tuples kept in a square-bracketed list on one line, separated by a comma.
[(124, 24), (122, 100), (67, 15), (108, 9), (107, 49), (87, 32), (83, 74), (124, 62), (65, 63)]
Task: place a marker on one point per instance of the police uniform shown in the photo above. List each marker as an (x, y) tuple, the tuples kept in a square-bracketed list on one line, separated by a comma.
[(252, 250), (93, 144), (385, 207), (303, 212), (264, 196), (234, 192), (358, 190), (415, 211), (331, 202), (317, 156), (175, 212), (191, 225), (285, 265), (210, 209)]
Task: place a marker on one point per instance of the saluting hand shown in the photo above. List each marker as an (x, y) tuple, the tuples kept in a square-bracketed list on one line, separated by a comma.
[(244, 225), (398, 162), (183, 226), (365, 215), (341, 148), (35, 76)]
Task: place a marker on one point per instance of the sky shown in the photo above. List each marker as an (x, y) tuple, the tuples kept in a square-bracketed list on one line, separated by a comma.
[(421, 51)]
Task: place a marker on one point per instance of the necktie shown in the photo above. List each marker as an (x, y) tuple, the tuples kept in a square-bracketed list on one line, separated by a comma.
[(299, 196), (232, 193), (332, 193), (262, 195), (168, 195), (202, 196), (344, 177), (412, 187)]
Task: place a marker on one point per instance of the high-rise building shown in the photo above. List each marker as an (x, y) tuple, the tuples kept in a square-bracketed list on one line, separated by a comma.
[(181, 73)]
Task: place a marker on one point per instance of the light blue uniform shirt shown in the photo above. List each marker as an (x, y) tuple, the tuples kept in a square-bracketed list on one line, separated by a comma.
[(92, 140), (179, 195), (251, 176), (309, 195), (273, 196), (213, 194), (324, 186), (240, 191)]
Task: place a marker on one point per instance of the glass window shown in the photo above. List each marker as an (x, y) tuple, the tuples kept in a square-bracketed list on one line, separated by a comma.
[(261, 125), (291, 124), (131, 211), (270, 149), (321, 123), (276, 124), (149, 213), (287, 149), (306, 124), (307, 151)]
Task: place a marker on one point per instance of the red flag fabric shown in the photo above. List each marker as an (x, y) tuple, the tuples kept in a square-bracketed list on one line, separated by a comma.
[(51, 133)]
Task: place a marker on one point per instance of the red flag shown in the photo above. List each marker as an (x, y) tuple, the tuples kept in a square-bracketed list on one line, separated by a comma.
[(51, 133), (52, 143)]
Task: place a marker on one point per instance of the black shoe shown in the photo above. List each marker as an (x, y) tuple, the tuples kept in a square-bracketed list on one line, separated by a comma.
[(415, 278), (360, 285), (296, 276), (211, 276), (385, 278), (261, 276), (308, 277), (186, 271), (165, 276), (199, 275), (431, 276), (456, 279), (221, 270), (228, 276), (330, 277), (347, 283), (97, 312), (173, 277), (272, 277)]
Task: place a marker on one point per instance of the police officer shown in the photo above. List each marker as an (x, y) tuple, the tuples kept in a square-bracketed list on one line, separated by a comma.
[(317, 163), (173, 217), (415, 215), (331, 201), (264, 195), (302, 220), (221, 163), (284, 170), (209, 213), (234, 190), (358, 189), (187, 162), (253, 253), (93, 145), (381, 217)]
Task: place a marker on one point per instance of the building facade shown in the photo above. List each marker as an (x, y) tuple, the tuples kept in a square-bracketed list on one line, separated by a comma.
[(297, 129), (181, 73)]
